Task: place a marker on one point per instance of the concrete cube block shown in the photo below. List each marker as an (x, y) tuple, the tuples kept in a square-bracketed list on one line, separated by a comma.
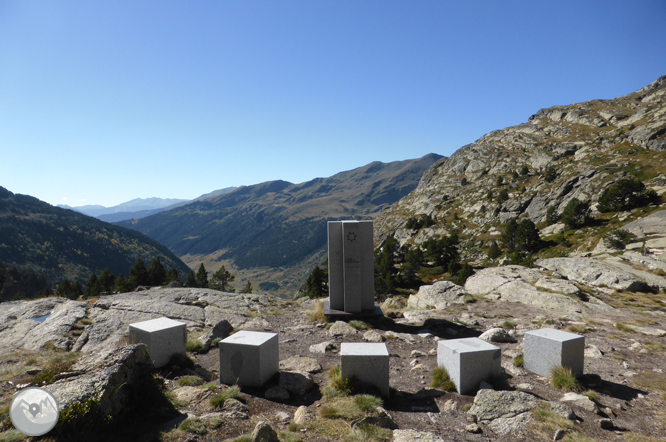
[(369, 362), (163, 336), (249, 358), (469, 361), (547, 348)]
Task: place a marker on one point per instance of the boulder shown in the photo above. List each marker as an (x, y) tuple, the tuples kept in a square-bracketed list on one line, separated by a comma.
[(297, 383), (322, 347), (514, 284), (373, 336), (497, 334), (503, 411), (579, 400), (221, 330), (111, 382), (264, 433), (300, 363), (592, 272), (304, 415), (415, 436), (654, 224), (439, 295), (341, 328), (277, 394)]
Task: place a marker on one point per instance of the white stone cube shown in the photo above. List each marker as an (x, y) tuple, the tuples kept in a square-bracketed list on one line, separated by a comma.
[(249, 358), (163, 336), (369, 362), (469, 361), (547, 348)]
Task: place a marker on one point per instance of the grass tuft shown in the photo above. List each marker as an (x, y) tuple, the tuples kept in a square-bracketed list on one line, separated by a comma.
[(624, 328), (195, 426), (367, 402), (369, 433), (231, 392), (59, 364), (194, 346), (190, 381), (563, 379), (359, 325), (440, 379), (518, 362)]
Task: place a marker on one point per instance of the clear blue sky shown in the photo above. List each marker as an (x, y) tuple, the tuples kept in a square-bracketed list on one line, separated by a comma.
[(103, 102)]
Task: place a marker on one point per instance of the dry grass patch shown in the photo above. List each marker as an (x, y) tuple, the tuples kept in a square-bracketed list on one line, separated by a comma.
[(651, 380), (547, 422), (317, 313), (654, 346)]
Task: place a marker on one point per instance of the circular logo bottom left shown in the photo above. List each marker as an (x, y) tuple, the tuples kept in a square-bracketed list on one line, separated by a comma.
[(34, 411)]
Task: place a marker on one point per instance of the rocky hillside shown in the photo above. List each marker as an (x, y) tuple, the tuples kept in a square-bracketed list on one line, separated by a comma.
[(561, 153), (279, 225), (60, 243)]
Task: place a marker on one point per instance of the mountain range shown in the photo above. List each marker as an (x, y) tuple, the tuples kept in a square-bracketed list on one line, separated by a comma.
[(273, 233), (140, 207), (60, 243), (277, 225)]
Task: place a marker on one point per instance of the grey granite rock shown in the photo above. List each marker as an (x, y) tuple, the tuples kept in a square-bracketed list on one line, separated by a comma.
[(503, 411), (438, 295)]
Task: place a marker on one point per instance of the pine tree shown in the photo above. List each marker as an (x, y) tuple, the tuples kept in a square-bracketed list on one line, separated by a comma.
[(172, 275), (626, 194), (107, 280), (385, 266), (156, 273), (191, 280), (93, 286), (494, 251), (139, 274), (221, 280), (247, 288), (316, 286), (412, 264), (509, 235), (526, 238), (202, 277), (122, 285), (576, 214)]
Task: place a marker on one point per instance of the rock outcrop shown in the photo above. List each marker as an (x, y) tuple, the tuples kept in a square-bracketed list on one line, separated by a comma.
[(559, 154), (503, 411), (521, 284), (110, 382), (438, 295)]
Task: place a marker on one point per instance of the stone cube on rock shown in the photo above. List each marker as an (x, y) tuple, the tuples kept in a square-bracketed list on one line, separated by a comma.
[(547, 348), (368, 362), (164, 338), (468, 362), (249, 358)]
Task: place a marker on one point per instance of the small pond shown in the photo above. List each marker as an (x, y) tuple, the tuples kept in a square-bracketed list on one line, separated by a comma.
[(41, 318)]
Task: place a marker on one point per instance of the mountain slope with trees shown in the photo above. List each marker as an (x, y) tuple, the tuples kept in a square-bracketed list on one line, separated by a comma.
[(280, 224), (59, 243), (562, 184)]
